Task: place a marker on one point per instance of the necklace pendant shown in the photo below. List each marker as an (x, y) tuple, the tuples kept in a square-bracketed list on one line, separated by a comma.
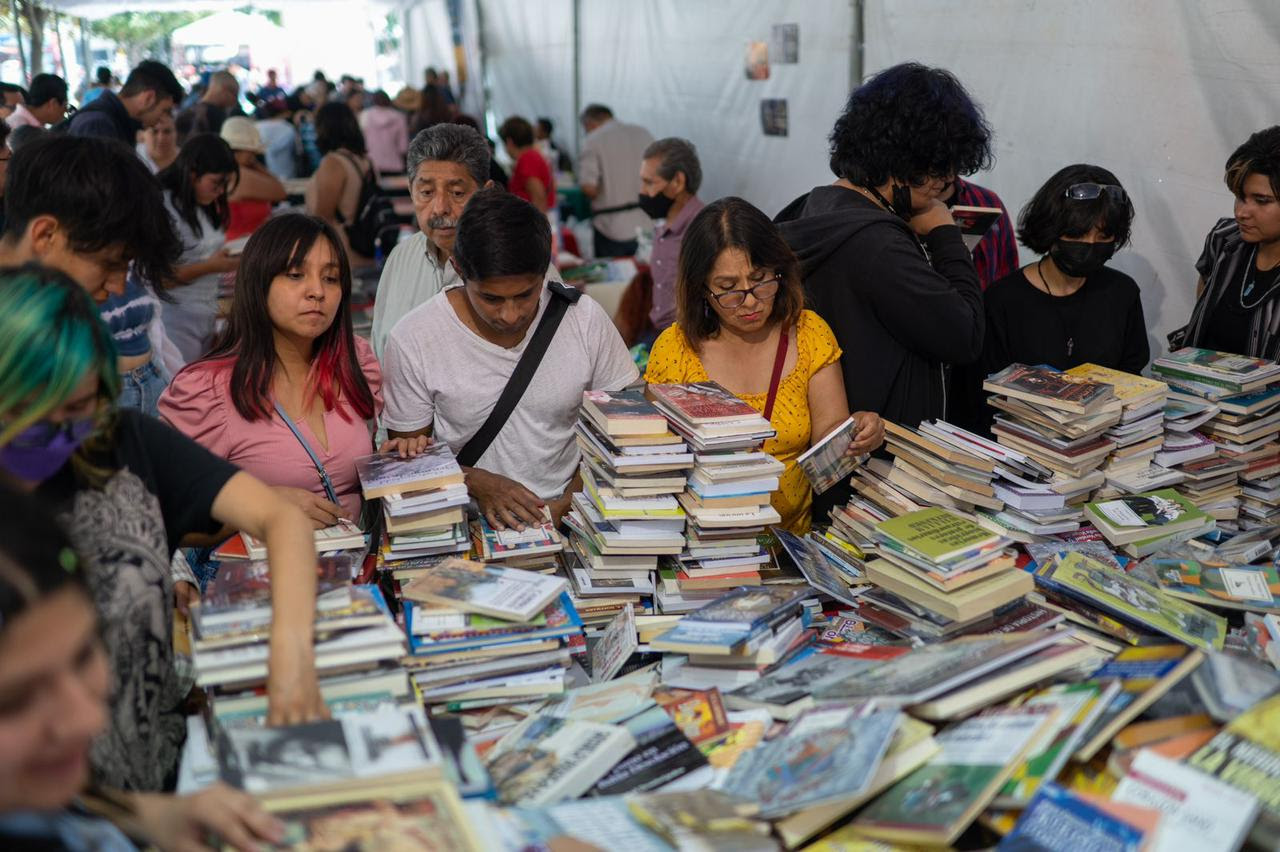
[(1071, 344), (1247, 290)]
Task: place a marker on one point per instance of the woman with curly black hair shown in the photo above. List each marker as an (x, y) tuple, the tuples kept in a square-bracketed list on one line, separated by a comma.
[(1069, 308), (883, 261)]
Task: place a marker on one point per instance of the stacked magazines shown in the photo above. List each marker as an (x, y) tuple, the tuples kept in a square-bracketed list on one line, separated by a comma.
[(424, 505), (483, 635), (627, 515), (727, 498), (232, 625)]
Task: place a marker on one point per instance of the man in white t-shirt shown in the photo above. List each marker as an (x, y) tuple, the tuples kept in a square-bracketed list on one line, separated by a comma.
[(448, 361)]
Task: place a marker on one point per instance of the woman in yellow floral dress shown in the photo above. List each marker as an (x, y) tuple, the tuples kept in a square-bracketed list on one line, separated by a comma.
[(737, 292)]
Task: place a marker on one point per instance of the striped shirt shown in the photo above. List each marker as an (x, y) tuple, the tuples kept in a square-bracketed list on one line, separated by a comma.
[(997, 254)]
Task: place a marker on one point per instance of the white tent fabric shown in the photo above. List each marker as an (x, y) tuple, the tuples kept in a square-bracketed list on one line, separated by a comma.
[(1158, 91), (427, 42), (528, 60)]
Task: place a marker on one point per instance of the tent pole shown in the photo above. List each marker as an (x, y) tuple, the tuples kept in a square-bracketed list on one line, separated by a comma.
[(85, 70), (57, 34), (857, 53), (17, 33), (577, 74)]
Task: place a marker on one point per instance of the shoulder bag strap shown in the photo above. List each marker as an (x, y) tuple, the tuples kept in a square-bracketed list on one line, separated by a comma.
[(779, 359), (315, 459), (561, 298)]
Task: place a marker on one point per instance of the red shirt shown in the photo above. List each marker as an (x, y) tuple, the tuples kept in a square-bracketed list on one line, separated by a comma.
[(532, 165)]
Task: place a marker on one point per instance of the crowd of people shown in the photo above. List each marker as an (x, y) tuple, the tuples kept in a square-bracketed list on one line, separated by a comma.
[(160, 390)]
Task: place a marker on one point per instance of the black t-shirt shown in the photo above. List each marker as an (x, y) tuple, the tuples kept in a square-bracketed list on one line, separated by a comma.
[(1227, 328), (159, 487), (1101, 323)]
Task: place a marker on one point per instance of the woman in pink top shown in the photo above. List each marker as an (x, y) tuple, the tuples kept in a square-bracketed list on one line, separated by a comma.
[(289, 361)]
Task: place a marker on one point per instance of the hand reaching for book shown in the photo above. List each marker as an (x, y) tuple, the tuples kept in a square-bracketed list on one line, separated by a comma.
[(406, 447), (870, 434), (504, 502), (184, 822)]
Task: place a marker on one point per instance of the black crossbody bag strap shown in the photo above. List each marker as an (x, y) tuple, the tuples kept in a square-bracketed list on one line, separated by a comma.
[(561, 298)]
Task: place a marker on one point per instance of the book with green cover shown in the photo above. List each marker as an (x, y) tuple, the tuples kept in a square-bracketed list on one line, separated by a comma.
[(1126, 596), (937, 535), (1218, 584), (1138, 517), (1078, 705), (934, 804)]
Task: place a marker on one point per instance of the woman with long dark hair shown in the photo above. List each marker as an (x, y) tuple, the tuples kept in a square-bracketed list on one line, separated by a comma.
[(741, 322), (333, 192), (195, 189), (288, 392)]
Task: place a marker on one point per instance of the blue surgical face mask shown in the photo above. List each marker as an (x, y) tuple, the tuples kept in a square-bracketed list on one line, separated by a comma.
[(39, 451)]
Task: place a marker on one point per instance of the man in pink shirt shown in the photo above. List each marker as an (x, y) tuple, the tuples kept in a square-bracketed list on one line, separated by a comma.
[(670, 175), (46, 103)]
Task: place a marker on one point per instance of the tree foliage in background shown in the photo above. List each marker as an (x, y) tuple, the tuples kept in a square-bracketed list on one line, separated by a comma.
[(143, 34)]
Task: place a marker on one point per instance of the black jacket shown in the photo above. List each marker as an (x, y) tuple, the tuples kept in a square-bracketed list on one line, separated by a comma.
[(105, 116), (899, 316)]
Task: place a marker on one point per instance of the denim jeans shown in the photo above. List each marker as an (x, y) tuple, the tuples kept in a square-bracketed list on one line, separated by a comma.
[(140, 389)]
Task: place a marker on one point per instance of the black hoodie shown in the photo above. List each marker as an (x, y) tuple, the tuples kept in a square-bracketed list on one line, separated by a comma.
[(899, 316)]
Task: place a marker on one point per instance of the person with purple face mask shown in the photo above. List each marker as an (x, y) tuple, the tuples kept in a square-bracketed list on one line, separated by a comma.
[(128, 490)]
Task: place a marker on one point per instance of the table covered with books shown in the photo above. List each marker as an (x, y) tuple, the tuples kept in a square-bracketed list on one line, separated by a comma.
[(1063, 638)]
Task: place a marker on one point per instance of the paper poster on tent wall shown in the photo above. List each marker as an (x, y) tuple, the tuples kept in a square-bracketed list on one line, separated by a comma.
[(773, 116), (757, 60), (785, 46)]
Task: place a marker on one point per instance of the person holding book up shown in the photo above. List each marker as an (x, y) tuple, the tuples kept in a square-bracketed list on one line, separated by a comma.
[(1069, 308), (289, 392), (740, 322), (55, 683), (496, 367), (1237, 309), (129, 490)]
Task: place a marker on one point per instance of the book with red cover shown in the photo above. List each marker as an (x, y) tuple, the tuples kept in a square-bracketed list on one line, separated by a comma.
[(702, 402)]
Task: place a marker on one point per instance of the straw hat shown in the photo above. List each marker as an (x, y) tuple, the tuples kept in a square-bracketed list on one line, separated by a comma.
[(408, 99), (240, 133)]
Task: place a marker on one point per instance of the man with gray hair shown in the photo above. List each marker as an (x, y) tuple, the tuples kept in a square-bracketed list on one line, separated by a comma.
[(446, 164), (670, 175)]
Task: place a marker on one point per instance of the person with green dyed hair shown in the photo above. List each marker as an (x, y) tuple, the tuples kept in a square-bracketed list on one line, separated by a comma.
[(129, 489)]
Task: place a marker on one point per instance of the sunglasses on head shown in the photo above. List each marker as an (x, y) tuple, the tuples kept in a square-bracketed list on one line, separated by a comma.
[(1090, 191)]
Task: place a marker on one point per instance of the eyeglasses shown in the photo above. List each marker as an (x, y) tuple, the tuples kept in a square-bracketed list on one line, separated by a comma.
[(764, 291), (1090, 191)]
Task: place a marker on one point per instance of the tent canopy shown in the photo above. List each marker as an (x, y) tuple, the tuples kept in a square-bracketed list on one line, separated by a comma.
[(106, 8), (227, 28)]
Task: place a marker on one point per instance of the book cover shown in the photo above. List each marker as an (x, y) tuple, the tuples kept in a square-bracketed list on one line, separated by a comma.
[(615, 646), (1254, 587), (246, 585), (822, 756), (937, 535), (1199, 811), (662, 754), (935, 803), (975, 222), (1130, 598), (431, 818), (1217, 362), (1128, 387), (816, 566), (544, 760), (508, 593), (386, 473), (1144, 674), (703, 402), (1078, 704), (699, 713), (828, 462), (1060, 819), (795, 683), (1246, 755), (625, 412), (1048, 387), (610, 701)]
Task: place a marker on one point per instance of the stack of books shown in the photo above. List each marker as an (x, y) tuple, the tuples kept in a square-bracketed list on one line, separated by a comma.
[(424, 506), (1141, 524), (937, 467), (947, 564), (1057, 420), (727, 498), (533, 548), (1140, 434), (627, 515), (231, 625), (1241, 422), (482, 635)]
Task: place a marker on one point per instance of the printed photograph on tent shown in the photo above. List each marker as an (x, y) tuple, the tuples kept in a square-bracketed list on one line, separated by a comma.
[(757, 60)]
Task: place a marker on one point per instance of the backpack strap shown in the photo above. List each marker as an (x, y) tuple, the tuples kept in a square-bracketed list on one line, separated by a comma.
[(561, 298)]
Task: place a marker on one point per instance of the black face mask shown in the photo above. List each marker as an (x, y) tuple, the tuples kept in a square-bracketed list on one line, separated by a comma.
[(1080, 260), (656, 206)]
